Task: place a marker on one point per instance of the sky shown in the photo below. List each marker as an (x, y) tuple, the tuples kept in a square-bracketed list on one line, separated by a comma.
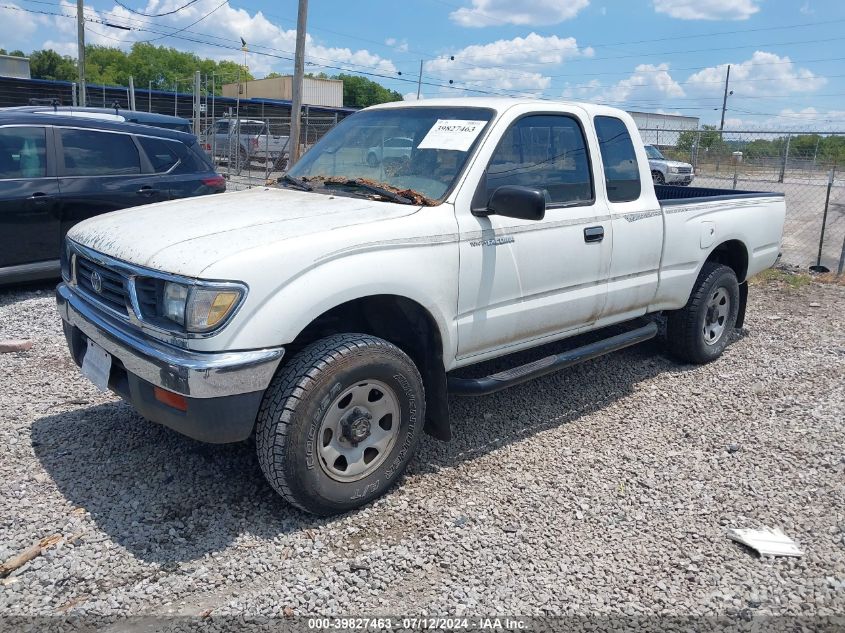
[(787, 57)]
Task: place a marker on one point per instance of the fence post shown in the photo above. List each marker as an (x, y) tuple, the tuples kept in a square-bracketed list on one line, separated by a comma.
[(824, 217), (131, 92), (841, 259), (785, 158)]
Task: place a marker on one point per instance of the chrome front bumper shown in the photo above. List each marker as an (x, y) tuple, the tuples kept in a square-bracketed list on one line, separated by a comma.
[(186, 372)]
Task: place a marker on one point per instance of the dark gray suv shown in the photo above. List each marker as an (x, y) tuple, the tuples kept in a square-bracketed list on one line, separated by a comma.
[(56, 170)]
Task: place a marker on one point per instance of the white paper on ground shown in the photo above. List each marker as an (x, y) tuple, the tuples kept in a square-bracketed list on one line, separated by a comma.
[(767, 542), (452, 134), (96, 365)]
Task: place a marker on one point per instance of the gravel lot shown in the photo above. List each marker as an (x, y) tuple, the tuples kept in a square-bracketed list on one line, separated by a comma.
[(605, 489)]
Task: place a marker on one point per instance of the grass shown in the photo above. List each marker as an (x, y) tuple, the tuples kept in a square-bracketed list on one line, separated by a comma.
[(783, 277)]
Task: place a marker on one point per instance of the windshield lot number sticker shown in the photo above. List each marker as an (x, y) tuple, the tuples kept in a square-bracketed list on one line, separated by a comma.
[(453, 134)]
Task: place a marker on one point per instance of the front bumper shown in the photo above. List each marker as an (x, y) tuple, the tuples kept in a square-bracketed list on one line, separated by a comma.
[(677, 179), (223, 390)]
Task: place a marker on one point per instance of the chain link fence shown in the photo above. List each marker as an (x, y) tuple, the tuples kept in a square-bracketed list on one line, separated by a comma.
[(807, 166), (250, 150)]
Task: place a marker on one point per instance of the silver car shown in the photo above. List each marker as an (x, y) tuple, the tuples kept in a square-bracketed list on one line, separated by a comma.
[(396, 147), (665, 171)]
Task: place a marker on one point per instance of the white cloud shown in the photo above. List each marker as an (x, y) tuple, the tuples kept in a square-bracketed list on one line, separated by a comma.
[(524, 12), (62, 48), (649, 83), (16, 27), (707, 9), (764, 74), (397, 45), (412, 96), (487, 66)]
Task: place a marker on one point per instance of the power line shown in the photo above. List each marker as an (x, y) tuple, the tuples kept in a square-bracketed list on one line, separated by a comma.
[(156, 15)]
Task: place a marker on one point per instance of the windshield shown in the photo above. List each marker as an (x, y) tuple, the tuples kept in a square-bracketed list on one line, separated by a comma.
[(652, 152), (421, 149)]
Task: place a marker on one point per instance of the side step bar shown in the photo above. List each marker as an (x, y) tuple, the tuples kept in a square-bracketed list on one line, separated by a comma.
[(549, 364)]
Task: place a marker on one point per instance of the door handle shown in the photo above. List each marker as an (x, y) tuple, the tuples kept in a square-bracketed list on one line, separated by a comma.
[(146, 190), (39, 198), (594, 234)]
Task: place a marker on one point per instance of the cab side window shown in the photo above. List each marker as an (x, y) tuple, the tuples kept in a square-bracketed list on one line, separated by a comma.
[(621, 170), (23, 152), (546, 152)]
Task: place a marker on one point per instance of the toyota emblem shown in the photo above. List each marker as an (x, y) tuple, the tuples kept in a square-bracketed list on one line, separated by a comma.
[(96, 282)]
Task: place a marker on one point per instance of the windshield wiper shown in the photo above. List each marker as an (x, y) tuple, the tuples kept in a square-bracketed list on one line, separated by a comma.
[(372, 188), (298, 184)]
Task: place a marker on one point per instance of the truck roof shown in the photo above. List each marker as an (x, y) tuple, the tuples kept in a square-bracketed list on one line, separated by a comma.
[(497, 103)]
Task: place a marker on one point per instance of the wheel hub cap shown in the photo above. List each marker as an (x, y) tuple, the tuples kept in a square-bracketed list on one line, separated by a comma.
[(358, 431), (356, 425), (716, 316)]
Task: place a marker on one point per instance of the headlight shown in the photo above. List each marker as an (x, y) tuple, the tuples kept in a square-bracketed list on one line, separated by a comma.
[(198, 308), (673, 170), (173, 302)]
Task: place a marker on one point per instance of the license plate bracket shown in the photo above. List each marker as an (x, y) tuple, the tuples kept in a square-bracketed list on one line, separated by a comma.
[(96, 365)]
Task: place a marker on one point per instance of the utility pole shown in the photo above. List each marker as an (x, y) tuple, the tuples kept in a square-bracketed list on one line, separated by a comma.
[(725, 100), (298, 74), (419, 81), (80, 42)]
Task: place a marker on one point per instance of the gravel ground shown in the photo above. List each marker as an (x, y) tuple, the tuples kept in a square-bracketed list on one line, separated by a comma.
[(605, 489)]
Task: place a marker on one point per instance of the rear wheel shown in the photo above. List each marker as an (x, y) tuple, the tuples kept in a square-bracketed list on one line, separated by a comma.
[(657, 178), (700, 331), (340, 423)]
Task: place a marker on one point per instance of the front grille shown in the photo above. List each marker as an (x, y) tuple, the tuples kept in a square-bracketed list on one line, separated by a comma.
[(146, 289), (113, 291), (684, 170)]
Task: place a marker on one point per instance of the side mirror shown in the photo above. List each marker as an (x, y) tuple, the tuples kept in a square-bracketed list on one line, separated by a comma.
[(512, 201)]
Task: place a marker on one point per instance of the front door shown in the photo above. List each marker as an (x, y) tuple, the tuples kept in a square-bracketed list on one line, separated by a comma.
[(29, 217), (523, 280)]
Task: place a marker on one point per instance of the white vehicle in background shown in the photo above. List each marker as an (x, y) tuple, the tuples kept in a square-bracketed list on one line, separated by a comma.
[(331, 316), (665, 171), (397, 147), (242, 141)]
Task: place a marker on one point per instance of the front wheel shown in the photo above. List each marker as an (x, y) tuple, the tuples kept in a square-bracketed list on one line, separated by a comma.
[(700, 331), (657, 178), (340, 422)]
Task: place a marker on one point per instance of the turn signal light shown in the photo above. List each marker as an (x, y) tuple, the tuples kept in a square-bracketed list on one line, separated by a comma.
[(170, 399)]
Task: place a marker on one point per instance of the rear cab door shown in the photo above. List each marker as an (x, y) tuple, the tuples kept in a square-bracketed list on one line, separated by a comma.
[(522, 282), (635, 214), (29, 196)]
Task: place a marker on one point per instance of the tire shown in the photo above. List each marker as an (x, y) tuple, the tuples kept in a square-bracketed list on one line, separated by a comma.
[(313, 411), (700, 331), (657, 178), (372, 159)]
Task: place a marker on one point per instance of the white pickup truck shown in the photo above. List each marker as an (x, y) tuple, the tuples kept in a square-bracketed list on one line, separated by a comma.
[(327, 315)]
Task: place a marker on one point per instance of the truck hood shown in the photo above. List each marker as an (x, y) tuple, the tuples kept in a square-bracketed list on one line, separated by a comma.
[(185, 237)]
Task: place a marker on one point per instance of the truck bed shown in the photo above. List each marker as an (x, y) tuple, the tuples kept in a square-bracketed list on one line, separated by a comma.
[(676, 194)]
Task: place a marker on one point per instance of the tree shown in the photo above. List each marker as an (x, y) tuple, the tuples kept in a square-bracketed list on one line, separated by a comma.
[(360, 92), (48, 64)]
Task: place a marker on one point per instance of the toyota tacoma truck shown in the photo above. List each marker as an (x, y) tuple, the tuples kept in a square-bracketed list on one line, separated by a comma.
[(327, 315)]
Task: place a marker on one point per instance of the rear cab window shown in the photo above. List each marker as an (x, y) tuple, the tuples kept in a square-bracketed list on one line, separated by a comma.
[(621, 170), (96, 153), (23, 152)]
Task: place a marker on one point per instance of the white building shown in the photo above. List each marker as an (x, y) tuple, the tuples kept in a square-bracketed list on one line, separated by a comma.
[(315, 91), (663, 129)]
